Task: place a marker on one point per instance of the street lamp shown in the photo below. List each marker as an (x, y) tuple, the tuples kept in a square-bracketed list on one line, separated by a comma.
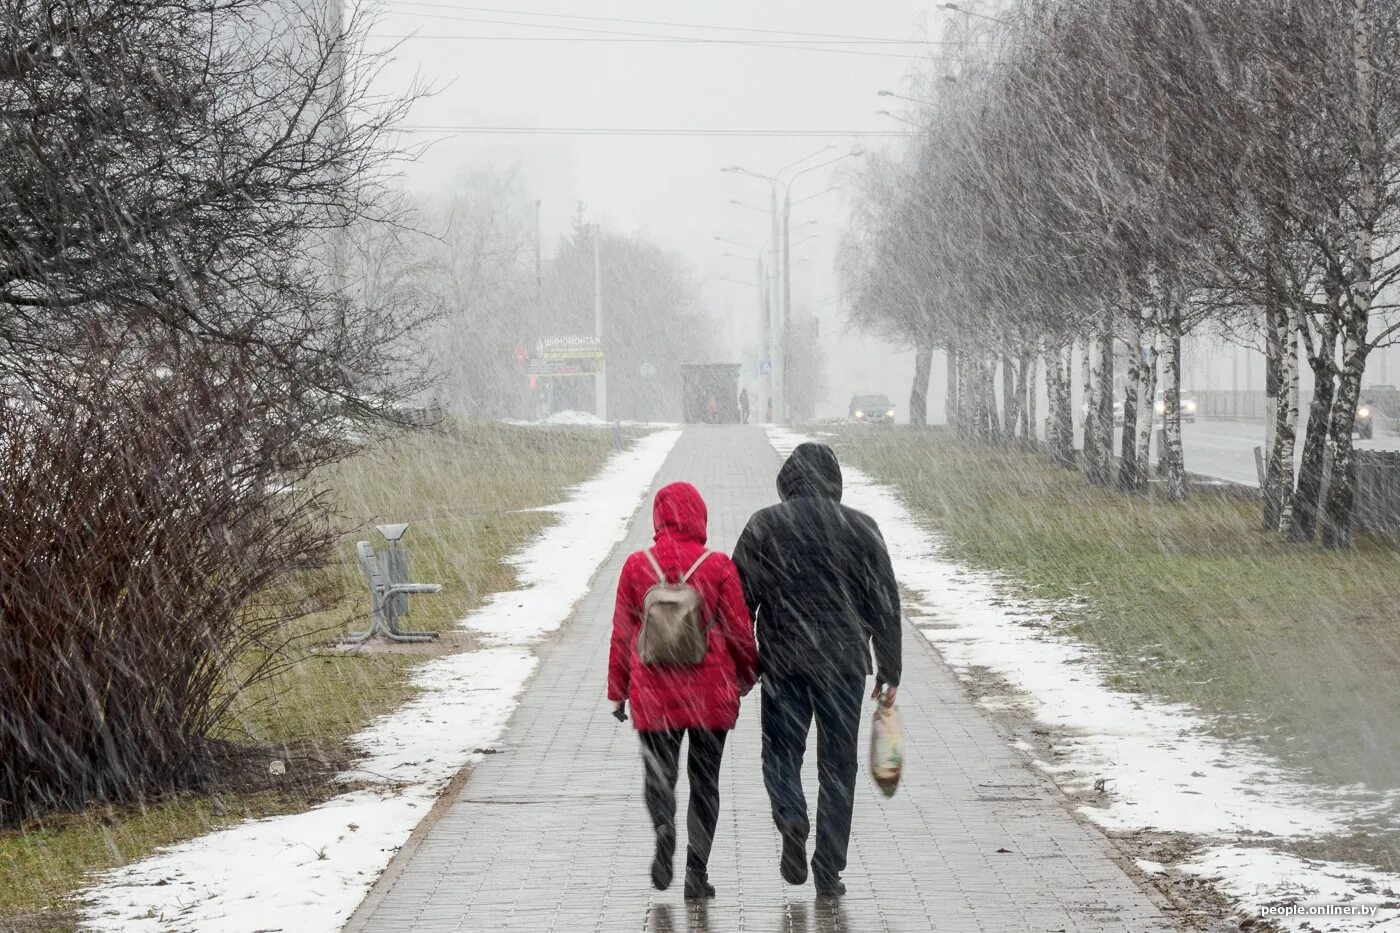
[(888, 93), (782, 278), (957, 8)]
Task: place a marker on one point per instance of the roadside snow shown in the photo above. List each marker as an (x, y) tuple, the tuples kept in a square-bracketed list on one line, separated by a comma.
[(1162, 768), (308, 871), (1301, 894)]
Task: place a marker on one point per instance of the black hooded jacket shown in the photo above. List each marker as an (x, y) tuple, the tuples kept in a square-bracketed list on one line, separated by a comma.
[(817, 577)]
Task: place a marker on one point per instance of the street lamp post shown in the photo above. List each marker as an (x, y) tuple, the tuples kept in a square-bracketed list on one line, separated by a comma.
[(780, 218)]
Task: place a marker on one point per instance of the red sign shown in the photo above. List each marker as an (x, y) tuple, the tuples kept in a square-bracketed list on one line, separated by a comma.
[(521, 355)]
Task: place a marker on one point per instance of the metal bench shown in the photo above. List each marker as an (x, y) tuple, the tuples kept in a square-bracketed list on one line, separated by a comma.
[(387, 574)]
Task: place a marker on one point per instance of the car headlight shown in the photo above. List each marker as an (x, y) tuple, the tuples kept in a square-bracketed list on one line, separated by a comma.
[(860, 414), (1160, 408), (1363, 412), (1189, 405), (890, 413)]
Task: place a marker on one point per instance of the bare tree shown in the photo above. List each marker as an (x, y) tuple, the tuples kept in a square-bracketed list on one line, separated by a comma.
[(182, 348)]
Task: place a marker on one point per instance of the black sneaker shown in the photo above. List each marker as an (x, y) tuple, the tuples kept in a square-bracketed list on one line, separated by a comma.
[(794, 862), (661, 868), (698, 887), (830, 887)]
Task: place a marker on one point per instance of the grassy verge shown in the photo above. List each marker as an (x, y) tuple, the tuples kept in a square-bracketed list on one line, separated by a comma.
[(1192, 601), (464, 490)]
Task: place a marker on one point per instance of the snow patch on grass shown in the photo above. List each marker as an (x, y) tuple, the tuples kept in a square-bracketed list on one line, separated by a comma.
[(559, 566), (309, 871), (1301, 894), (1160, 766)]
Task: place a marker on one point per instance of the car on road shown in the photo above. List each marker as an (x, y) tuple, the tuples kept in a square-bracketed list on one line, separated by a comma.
[(1365, 425), (872, 409), (1188, 407), (1159, 408)]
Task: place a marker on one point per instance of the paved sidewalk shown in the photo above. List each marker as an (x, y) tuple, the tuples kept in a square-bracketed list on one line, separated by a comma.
[(551, 834)]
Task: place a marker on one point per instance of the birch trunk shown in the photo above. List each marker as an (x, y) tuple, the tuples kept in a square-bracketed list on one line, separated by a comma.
[(1275, 328), (1147, 415), (1052, 399), (1088, 464), (967, 397), (1055, 390), (970, 375), (1127, 444), (1336, 529), (1309, 489), (1008, 397), (1025, 401), (950, 395), (989, 398), (1064, 414), (918, 395), (1102, 407), (1288, 425), (1173, 460)]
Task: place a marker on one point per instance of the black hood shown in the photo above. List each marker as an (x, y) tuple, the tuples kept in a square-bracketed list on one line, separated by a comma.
[(812, 470)]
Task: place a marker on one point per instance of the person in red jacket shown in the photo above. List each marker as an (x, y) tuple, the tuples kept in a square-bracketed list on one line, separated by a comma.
[(670, 702)]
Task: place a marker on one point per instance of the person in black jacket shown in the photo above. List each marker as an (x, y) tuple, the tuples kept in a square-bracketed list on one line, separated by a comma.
[(817, 577)]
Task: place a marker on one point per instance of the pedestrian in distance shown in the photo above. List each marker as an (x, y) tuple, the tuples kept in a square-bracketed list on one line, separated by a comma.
[(818, 580), (682, 654), (743, 406)]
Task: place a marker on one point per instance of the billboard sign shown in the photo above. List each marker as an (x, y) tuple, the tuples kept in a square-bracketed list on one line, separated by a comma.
[(577, 347)]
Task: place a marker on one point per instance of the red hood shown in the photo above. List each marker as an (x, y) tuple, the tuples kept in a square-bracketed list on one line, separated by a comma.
[(679, 513)]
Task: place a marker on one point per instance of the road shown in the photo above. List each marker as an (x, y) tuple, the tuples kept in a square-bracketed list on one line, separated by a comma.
[(1225, 449)]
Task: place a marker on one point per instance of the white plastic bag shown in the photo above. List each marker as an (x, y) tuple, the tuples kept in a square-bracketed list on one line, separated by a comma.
[(886, 749)]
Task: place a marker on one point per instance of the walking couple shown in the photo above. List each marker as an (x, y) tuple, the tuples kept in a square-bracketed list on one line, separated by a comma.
[(817, 578)]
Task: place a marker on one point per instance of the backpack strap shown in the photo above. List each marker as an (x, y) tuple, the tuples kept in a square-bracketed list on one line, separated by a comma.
[(660, 574), (695, 566)]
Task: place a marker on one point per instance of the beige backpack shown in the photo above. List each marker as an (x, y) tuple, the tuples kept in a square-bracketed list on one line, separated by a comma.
[(673, 620)]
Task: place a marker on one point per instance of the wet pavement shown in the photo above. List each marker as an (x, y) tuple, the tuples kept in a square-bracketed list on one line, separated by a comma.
[(551, 833)]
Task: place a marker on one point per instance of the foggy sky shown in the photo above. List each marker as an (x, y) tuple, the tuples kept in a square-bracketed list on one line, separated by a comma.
[(669, 189)]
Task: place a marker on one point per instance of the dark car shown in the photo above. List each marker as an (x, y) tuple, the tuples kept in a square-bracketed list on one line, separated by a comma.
[(875, 409)]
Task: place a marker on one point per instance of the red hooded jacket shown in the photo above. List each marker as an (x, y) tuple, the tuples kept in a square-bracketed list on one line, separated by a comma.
[(705, 696)]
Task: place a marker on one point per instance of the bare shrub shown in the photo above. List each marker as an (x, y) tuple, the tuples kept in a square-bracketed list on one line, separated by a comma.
[(140, 541)]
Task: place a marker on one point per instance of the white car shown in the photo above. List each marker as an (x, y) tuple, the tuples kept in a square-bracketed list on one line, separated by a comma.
[(1188, 408), (1159, 408)]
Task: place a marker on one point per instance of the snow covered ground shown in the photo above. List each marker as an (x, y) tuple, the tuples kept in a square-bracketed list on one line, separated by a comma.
[(308, 872), (1163, 769)]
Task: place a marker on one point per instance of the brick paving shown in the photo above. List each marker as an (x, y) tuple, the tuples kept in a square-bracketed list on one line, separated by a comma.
[(551, 834)]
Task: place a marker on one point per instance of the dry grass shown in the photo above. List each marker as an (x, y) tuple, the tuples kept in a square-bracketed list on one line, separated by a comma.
[(464, 490), (1194, 601)]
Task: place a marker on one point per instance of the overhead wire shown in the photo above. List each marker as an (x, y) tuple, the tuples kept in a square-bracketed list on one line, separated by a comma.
[(448, 129), (649, 22), (699, 40)]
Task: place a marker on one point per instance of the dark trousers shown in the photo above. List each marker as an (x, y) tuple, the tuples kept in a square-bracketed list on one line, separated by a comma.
[(789, 705), (661, 753)]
